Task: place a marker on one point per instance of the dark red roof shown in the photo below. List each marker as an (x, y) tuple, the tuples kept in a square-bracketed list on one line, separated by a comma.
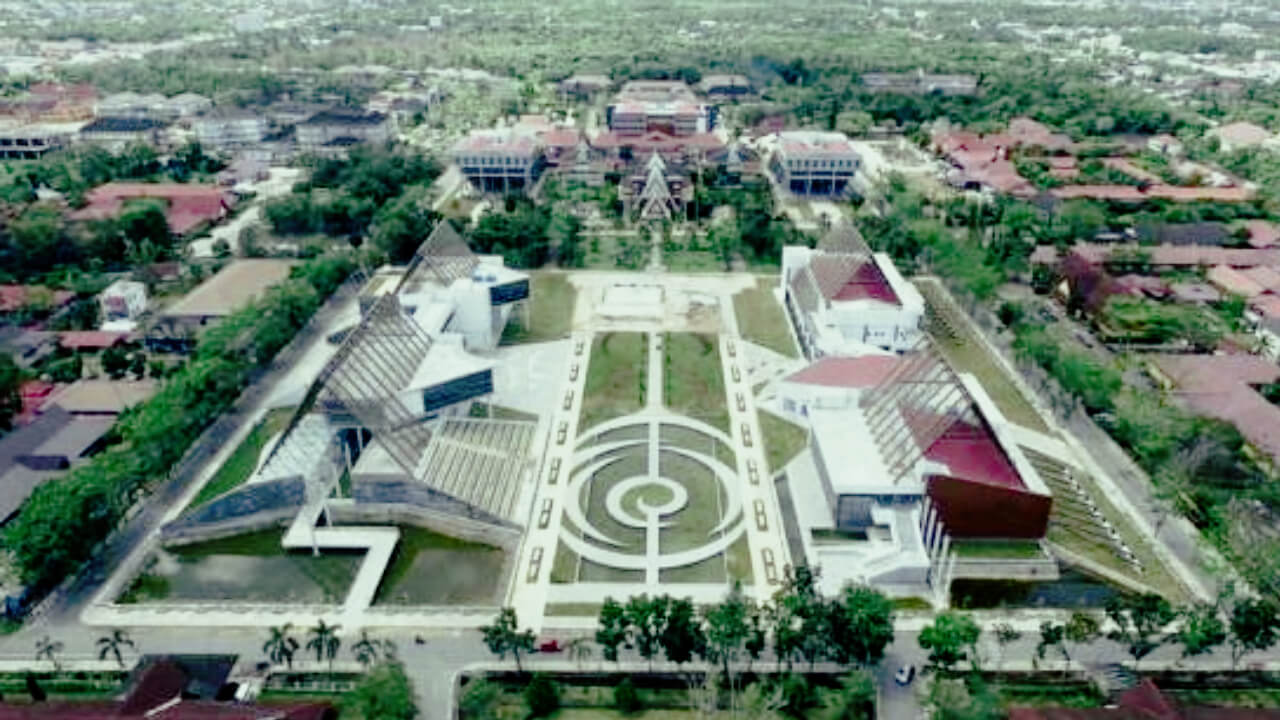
[(659, 141), (90, 339), (972, 453), (867, 283), (188, 206), (159, 684)]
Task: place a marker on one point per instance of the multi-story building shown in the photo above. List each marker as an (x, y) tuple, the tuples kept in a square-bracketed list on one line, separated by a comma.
[(340, 128), (667, 106), (230, 127), (807, 162), (114, 133), (726, 86), (20, 141), (501, 161)]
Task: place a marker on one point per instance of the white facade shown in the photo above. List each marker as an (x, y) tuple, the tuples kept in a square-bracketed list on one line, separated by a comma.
[(230, 128), (122, 302), (886, 320)]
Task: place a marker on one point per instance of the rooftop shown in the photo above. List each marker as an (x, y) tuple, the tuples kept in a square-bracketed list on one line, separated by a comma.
[(189, 206), (122, 124), (55, 433), (1221, 386), (103, 397), (231, 289), (345, 117)]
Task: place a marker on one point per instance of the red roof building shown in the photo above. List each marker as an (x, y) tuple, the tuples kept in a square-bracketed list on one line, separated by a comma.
[(90, 340), (16, 297), (188, 207), (1223, 387), (1262, 234), (1144, 701)]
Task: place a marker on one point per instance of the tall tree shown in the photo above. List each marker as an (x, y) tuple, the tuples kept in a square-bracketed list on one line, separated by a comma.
[(49, 650), (1139, 623), (112, 644), (504, 636), (1201, 630), (10, 398), (611, 632), (647, 618), (853, 700), (1254, 627), (280, 646), (861, 625), (726, 624), (1053, 635), (367, 650), (952, 638), (682, 637)]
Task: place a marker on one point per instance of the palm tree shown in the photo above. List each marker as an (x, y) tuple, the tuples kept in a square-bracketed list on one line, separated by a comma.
[(111, 644), (366, 650), (281, 646), (47, 649), (324, 641)]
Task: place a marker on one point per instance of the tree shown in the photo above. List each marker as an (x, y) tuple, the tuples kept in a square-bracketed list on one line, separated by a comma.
[(324, 642), (1082, 628), (400, 227), (626, 699), (956, 699), (682, 637), (1254, 627), (726, 625), (115, 362), (1139, 623), (1201, 631), (861, 625), (579, 650), (799, 618), (853, 700), (757, 635), (1053, 635), (542, 696), (612, 631), (503, 636), (47, 649), (1006, 635), (10, 398), (952, 638), (647, 619), (111, 645), (565, 234), (367, 650), (479, 699), (143, 221), (280, 645), (798, 696), (384, 693)]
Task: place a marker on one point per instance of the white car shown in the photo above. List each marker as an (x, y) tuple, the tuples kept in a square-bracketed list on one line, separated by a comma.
[(905, 675)]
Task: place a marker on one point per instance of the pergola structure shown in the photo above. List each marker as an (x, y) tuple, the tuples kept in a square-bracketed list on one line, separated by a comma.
[(913, 406), (444, 256)]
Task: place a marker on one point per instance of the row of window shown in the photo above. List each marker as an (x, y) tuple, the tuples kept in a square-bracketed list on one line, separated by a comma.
[(490, 161), (810, 164)]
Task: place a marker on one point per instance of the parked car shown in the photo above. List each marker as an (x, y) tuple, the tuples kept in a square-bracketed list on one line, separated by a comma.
[(549, 645), (573, 372), (555, 471)]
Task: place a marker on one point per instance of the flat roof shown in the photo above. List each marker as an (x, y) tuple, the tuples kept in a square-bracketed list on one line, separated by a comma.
[(99, 396), (231, 289)]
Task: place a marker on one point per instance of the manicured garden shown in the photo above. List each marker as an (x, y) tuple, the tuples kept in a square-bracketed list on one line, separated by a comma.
[(244, 460), (551, 301), (694, 378), (762, 320), (615, 378), (782, 439)]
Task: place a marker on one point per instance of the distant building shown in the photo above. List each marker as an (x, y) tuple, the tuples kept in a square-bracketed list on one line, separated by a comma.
[(920, 83), (845, 300), (584, 86), (235, 286), (501, 161), (186, 105), (230, 127), (806, 162), (122, 303), (187, 207), (21, 141), (48, 447), (131, 105), (725, 86), (115, 133), (666, 106), (342, 128)]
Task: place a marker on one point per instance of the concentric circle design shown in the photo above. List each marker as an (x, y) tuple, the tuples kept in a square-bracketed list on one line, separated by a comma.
[(627, 504)]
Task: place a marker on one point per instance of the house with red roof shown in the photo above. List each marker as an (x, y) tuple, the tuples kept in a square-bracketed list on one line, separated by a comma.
[(1144, 701), (187, 207)]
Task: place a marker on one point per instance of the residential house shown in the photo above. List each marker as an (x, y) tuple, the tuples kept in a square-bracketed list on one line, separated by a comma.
[(232, 288), (1165, 144), (1160, 257), (186, 105), (44, 449), (1262, 234), (725, 86), (806, 162), (584, 87)]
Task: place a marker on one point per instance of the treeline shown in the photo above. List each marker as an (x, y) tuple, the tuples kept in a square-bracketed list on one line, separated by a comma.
[(66, 518), (375, 191)]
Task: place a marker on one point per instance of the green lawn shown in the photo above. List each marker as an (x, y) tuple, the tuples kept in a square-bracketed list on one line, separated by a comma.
[(615, 378), (428, 568), (997, 549), (782, 439), (1262, 697), (762, 320), (957, 339), (237, 469), (693, 261), (551, 301), (694, 378)]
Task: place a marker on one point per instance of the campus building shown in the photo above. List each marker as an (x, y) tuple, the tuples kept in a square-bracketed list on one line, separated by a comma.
[(845, 300), (230, 127), (337, 129), (667, 106), (507, 160), (806, 162), (22, 141)]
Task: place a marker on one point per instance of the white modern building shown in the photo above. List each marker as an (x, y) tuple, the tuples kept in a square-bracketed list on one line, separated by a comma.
[(503, 160), (122, 303), (849, 301), (230, 127)]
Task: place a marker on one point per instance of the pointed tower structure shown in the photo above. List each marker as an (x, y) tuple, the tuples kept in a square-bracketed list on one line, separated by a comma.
[(655, 199)]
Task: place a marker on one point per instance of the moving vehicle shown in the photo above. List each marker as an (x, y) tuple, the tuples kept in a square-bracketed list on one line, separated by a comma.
[(905, 675)]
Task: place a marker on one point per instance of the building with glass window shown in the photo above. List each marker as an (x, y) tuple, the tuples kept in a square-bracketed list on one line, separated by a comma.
[(806, 162)]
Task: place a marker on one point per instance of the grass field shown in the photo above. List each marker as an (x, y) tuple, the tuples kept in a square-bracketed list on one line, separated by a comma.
[(957, 339), (245, 568), (484, 410), (694, 378), (762, 320), (782, 440), (551, 301), (432, 569), (615, 378), (693, 261), (690, 526), (997, 549), (241, 464)]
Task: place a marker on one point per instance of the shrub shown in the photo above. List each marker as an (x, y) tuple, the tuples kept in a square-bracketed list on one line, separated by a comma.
[(625, 697), (542, 696)]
